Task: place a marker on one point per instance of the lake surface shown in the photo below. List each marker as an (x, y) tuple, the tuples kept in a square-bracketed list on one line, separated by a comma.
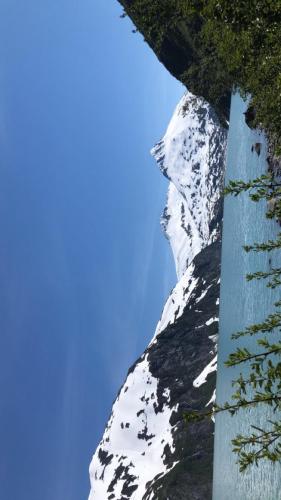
[(242, 303)]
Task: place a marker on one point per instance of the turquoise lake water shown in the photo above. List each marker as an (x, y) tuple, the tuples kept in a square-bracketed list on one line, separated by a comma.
[(242, 303)]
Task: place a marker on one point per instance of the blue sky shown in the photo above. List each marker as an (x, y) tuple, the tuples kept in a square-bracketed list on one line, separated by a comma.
[(84, 268)]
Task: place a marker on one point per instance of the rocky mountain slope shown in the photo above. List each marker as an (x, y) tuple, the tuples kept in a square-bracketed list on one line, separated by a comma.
[(147, 451)]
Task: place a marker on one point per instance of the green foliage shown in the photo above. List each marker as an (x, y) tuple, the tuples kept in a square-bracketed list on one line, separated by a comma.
[(246, 37), (155, 18), (260, 383), (180, 22), (228, 45)]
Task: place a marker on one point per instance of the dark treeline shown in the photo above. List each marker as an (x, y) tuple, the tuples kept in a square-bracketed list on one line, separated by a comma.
[(217, 46)]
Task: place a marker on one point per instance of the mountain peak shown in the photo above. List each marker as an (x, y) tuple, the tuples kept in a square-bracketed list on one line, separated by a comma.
[(191, 156)]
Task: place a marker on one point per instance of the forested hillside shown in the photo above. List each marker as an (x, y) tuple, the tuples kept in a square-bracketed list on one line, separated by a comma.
[(213, 46)]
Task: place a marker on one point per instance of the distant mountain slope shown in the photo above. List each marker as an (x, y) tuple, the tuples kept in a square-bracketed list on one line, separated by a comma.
[(191, 155), (147, 451)]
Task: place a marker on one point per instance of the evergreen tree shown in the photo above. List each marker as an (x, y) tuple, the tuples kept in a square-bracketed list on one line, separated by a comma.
[(262, 383)]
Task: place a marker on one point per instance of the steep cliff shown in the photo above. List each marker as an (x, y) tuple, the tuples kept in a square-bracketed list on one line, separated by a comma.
[(175, 38), (147, 451), (213, 47)]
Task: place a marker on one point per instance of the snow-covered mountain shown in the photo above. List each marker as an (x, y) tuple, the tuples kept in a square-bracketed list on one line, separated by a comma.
[(191, 156), (147, 451)]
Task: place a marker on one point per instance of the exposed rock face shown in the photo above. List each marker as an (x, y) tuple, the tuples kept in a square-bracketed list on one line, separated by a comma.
[(273, 160), (147, 451)]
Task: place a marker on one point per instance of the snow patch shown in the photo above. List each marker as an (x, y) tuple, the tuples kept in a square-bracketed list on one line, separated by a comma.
[(134, 440), (177, 301), (202, 378), (211, 320), (212, 400)]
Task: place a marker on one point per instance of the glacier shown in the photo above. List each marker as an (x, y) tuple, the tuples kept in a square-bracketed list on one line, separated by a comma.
[(147, 451)]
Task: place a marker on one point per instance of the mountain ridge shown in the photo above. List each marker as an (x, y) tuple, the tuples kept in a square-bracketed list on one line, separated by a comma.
[(147, 451)]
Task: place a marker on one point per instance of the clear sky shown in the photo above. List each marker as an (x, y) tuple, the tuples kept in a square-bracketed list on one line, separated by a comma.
[(84, 268)]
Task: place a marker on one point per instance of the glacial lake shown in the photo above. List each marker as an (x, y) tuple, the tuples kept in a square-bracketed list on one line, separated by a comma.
[(242, 303)]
